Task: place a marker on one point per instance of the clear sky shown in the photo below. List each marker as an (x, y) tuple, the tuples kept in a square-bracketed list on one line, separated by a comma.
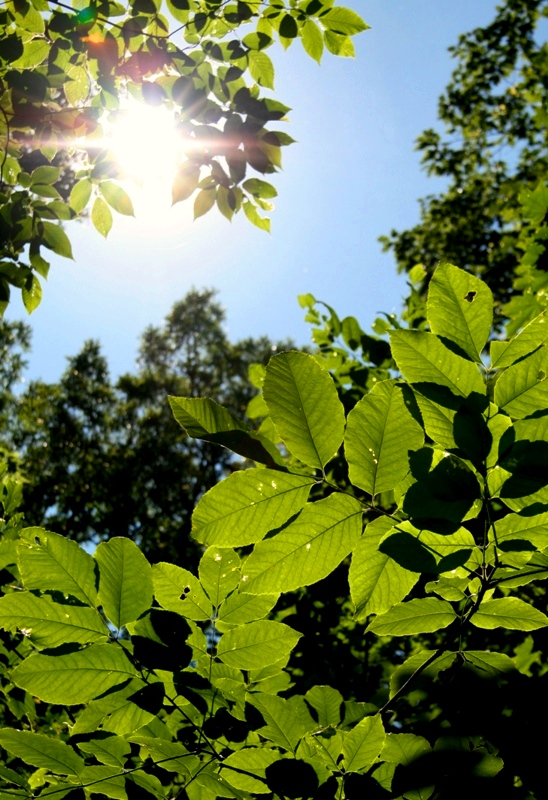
[(353, 176)]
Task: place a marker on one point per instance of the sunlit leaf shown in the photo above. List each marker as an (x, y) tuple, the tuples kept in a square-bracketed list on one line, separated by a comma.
[(125, 582), (423, 615), (76, 677), (304, 406), (376, 428), (509, 612), (257, 644), (308, 549), (42, 751), (246, 505)]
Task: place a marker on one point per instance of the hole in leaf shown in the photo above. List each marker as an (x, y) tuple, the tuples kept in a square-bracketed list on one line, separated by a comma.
[(37, 540), (470, 297), (541, 375)]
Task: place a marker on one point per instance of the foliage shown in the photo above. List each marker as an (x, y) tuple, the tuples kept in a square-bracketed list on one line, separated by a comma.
[(172, 683), (65, 71), (494, 155), (100, 456)]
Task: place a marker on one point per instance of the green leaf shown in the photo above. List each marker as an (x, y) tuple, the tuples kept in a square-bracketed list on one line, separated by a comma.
[(327, 703), (423, 358), (254, 217), (424, 615), (460, 308), (204, 202), (523, 388), (161, 750), (363, 744), (504, 354), (247, 505), (74, 678), (46, 175), (261, 68), (108, 779), (284, 728), (44, 752), (343, 20), (304, 407), (424, 551), (376, 428), (121, 711), (56, 239), (125, 582), (80, 194), (219, 572), (31, 293), (508, 612), (407, 670), (109, 749), (185, 182), (241, 607), (257, 644), (101, 216), (376, 582), (438, 407), (49, 561), (50, 624), (266, 191), (308, 550), (204, 419), (513, 527), (10, 170), (487, 664), (253, 760), (404, 748), (179, 590), (117, 198), (312, 40), (339, 45)]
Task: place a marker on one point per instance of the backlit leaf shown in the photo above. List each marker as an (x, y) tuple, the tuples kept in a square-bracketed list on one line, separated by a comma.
[(376, 428), (363, 744), (308, 549), (423, 358), (376, 582), (49, 561), (179, 590), (219, 572), (50, 624), (423, 615), (125, 583), (101, 216), (509, 612), (241, 509), (204, 419), (74, 678), (304, 407), (460, 308), (117, 198), (257, 644), (47, 753), (523, 387)]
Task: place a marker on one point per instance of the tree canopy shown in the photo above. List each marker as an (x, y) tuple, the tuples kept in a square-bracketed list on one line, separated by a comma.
[(494, 153), (65, 72)]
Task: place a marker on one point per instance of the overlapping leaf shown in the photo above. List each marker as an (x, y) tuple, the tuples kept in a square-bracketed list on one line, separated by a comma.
[(74, 677), (304, 407), (125, 584), (460, 308), (245, 506), (308, 549), (376, 428), (50, 624)]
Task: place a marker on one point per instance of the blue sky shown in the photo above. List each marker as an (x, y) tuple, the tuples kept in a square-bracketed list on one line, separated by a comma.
[(353, 176)]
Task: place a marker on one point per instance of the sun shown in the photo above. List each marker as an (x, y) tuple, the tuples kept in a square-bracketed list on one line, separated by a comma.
[(144, 141)]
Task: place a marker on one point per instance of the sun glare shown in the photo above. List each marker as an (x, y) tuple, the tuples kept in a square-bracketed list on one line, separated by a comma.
[(145, 143)]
